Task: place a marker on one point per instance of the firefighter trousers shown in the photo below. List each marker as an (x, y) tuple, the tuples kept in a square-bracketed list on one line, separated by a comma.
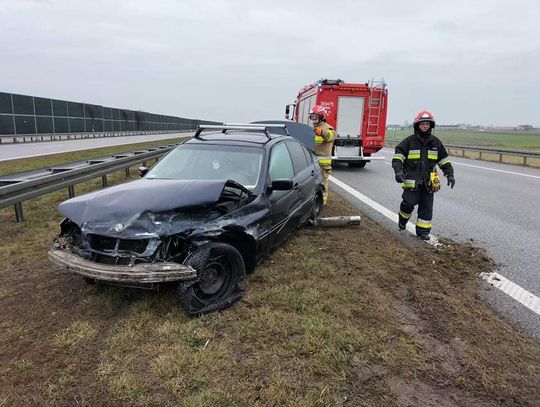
[(326, 170), (424, 200)]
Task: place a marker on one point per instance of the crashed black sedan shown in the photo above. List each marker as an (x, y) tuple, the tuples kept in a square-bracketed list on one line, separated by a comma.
[(205, 215)]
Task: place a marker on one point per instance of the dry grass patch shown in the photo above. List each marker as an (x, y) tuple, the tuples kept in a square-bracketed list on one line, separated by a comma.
[(512, 159), (74, 334), (533, 162)]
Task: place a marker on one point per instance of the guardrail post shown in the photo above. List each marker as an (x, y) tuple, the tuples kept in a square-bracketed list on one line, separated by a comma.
[(480, 155), (71, 191), (524, 160), (18, 212), (127, 172), (104, 180), (500, 157)]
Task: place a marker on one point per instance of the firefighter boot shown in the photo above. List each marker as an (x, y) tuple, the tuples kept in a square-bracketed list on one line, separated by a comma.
[(402, 219), (424, 236)]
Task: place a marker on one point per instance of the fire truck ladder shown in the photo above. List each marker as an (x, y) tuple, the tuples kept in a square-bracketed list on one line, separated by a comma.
[(377, 90)]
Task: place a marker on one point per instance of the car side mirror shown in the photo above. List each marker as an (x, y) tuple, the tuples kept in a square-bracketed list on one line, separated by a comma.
[(142, 171), (282, 185)]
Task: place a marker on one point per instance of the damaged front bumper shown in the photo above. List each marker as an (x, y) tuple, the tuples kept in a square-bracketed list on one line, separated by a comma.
[(142, 273)]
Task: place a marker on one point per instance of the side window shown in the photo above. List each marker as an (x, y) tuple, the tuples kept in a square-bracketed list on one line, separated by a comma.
[(297, 155), (281, 166), (308, 154)]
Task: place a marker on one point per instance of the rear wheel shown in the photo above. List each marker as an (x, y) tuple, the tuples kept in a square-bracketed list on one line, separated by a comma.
[(317, 210), (221, 273)]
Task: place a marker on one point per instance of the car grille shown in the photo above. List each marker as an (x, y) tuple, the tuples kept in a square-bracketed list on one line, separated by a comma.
[(110, 245)]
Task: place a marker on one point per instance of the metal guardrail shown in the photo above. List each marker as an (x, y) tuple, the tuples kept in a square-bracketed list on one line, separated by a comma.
[(524, 154), (31, 184), (32, 138)]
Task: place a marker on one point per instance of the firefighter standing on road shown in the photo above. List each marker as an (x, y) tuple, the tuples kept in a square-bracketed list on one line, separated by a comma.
[(324, 140), (414, 166)]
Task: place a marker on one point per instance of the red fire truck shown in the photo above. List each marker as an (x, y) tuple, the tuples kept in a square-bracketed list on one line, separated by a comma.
[(356, 111)]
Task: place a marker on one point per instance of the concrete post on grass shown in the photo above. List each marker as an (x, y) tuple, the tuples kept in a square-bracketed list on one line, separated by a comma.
[(339, 221)]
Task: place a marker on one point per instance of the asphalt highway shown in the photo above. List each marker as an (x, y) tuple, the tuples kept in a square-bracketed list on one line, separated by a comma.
[(493, 206), (21, 150)]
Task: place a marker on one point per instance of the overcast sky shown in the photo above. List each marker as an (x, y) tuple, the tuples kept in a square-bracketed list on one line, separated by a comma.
[(466, 61)]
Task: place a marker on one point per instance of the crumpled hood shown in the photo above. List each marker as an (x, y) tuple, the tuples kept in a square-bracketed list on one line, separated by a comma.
[(135, 205)]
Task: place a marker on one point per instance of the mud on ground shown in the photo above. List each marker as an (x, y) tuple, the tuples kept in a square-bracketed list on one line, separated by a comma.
[(335, 317)]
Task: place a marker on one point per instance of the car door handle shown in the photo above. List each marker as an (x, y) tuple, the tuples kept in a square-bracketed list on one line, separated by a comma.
[(296, 186)]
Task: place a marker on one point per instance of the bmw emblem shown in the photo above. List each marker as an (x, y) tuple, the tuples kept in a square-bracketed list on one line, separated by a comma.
[(118, 227)]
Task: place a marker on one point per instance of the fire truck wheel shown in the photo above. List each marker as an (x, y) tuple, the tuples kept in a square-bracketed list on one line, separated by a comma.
[(357, 164)]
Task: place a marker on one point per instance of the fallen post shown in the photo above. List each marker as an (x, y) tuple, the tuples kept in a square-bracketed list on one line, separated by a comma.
[(338, 221)]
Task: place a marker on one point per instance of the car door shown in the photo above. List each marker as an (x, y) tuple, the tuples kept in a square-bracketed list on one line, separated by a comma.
[(285, 206), (304, 178)]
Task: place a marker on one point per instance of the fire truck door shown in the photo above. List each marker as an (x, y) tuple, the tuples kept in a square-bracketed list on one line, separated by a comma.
[(348, 125)]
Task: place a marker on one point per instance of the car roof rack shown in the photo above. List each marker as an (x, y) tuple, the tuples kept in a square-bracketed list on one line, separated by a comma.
[(261, 127)]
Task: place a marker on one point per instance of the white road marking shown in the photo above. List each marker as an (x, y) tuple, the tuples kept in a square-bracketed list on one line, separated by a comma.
[(519, 294), (494, 169), (50, 153), (489, 169), (511, 289), (411, 228)]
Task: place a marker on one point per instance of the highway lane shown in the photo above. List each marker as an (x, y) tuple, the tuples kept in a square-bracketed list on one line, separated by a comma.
[(21, 150), (494, 206)]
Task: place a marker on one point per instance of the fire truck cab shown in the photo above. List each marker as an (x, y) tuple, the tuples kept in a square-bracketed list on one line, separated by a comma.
[(356, 111)]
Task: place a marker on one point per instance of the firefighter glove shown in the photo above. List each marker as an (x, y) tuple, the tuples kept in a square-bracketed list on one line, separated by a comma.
[(451, 181), (400, 176)]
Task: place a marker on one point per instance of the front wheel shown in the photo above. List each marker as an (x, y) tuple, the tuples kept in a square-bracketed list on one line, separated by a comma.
[(221, 273)]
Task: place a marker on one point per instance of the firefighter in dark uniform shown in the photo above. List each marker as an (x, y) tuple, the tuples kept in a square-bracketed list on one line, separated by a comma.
[(414, 164), (324, 140)]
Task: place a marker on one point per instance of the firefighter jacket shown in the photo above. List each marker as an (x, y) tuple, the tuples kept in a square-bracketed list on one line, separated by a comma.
[(417, 157), (324, 140)]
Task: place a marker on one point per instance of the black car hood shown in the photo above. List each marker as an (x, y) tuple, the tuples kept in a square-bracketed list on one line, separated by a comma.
[(143, 207)]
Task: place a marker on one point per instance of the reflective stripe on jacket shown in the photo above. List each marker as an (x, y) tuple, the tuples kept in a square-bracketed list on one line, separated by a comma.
[(325, 160), (417, 157)]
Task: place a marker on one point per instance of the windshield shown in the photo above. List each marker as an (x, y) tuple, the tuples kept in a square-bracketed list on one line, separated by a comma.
[(211, 162)]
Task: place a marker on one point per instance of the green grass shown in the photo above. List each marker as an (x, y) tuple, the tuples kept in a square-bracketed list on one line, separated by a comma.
[(511, 139)]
